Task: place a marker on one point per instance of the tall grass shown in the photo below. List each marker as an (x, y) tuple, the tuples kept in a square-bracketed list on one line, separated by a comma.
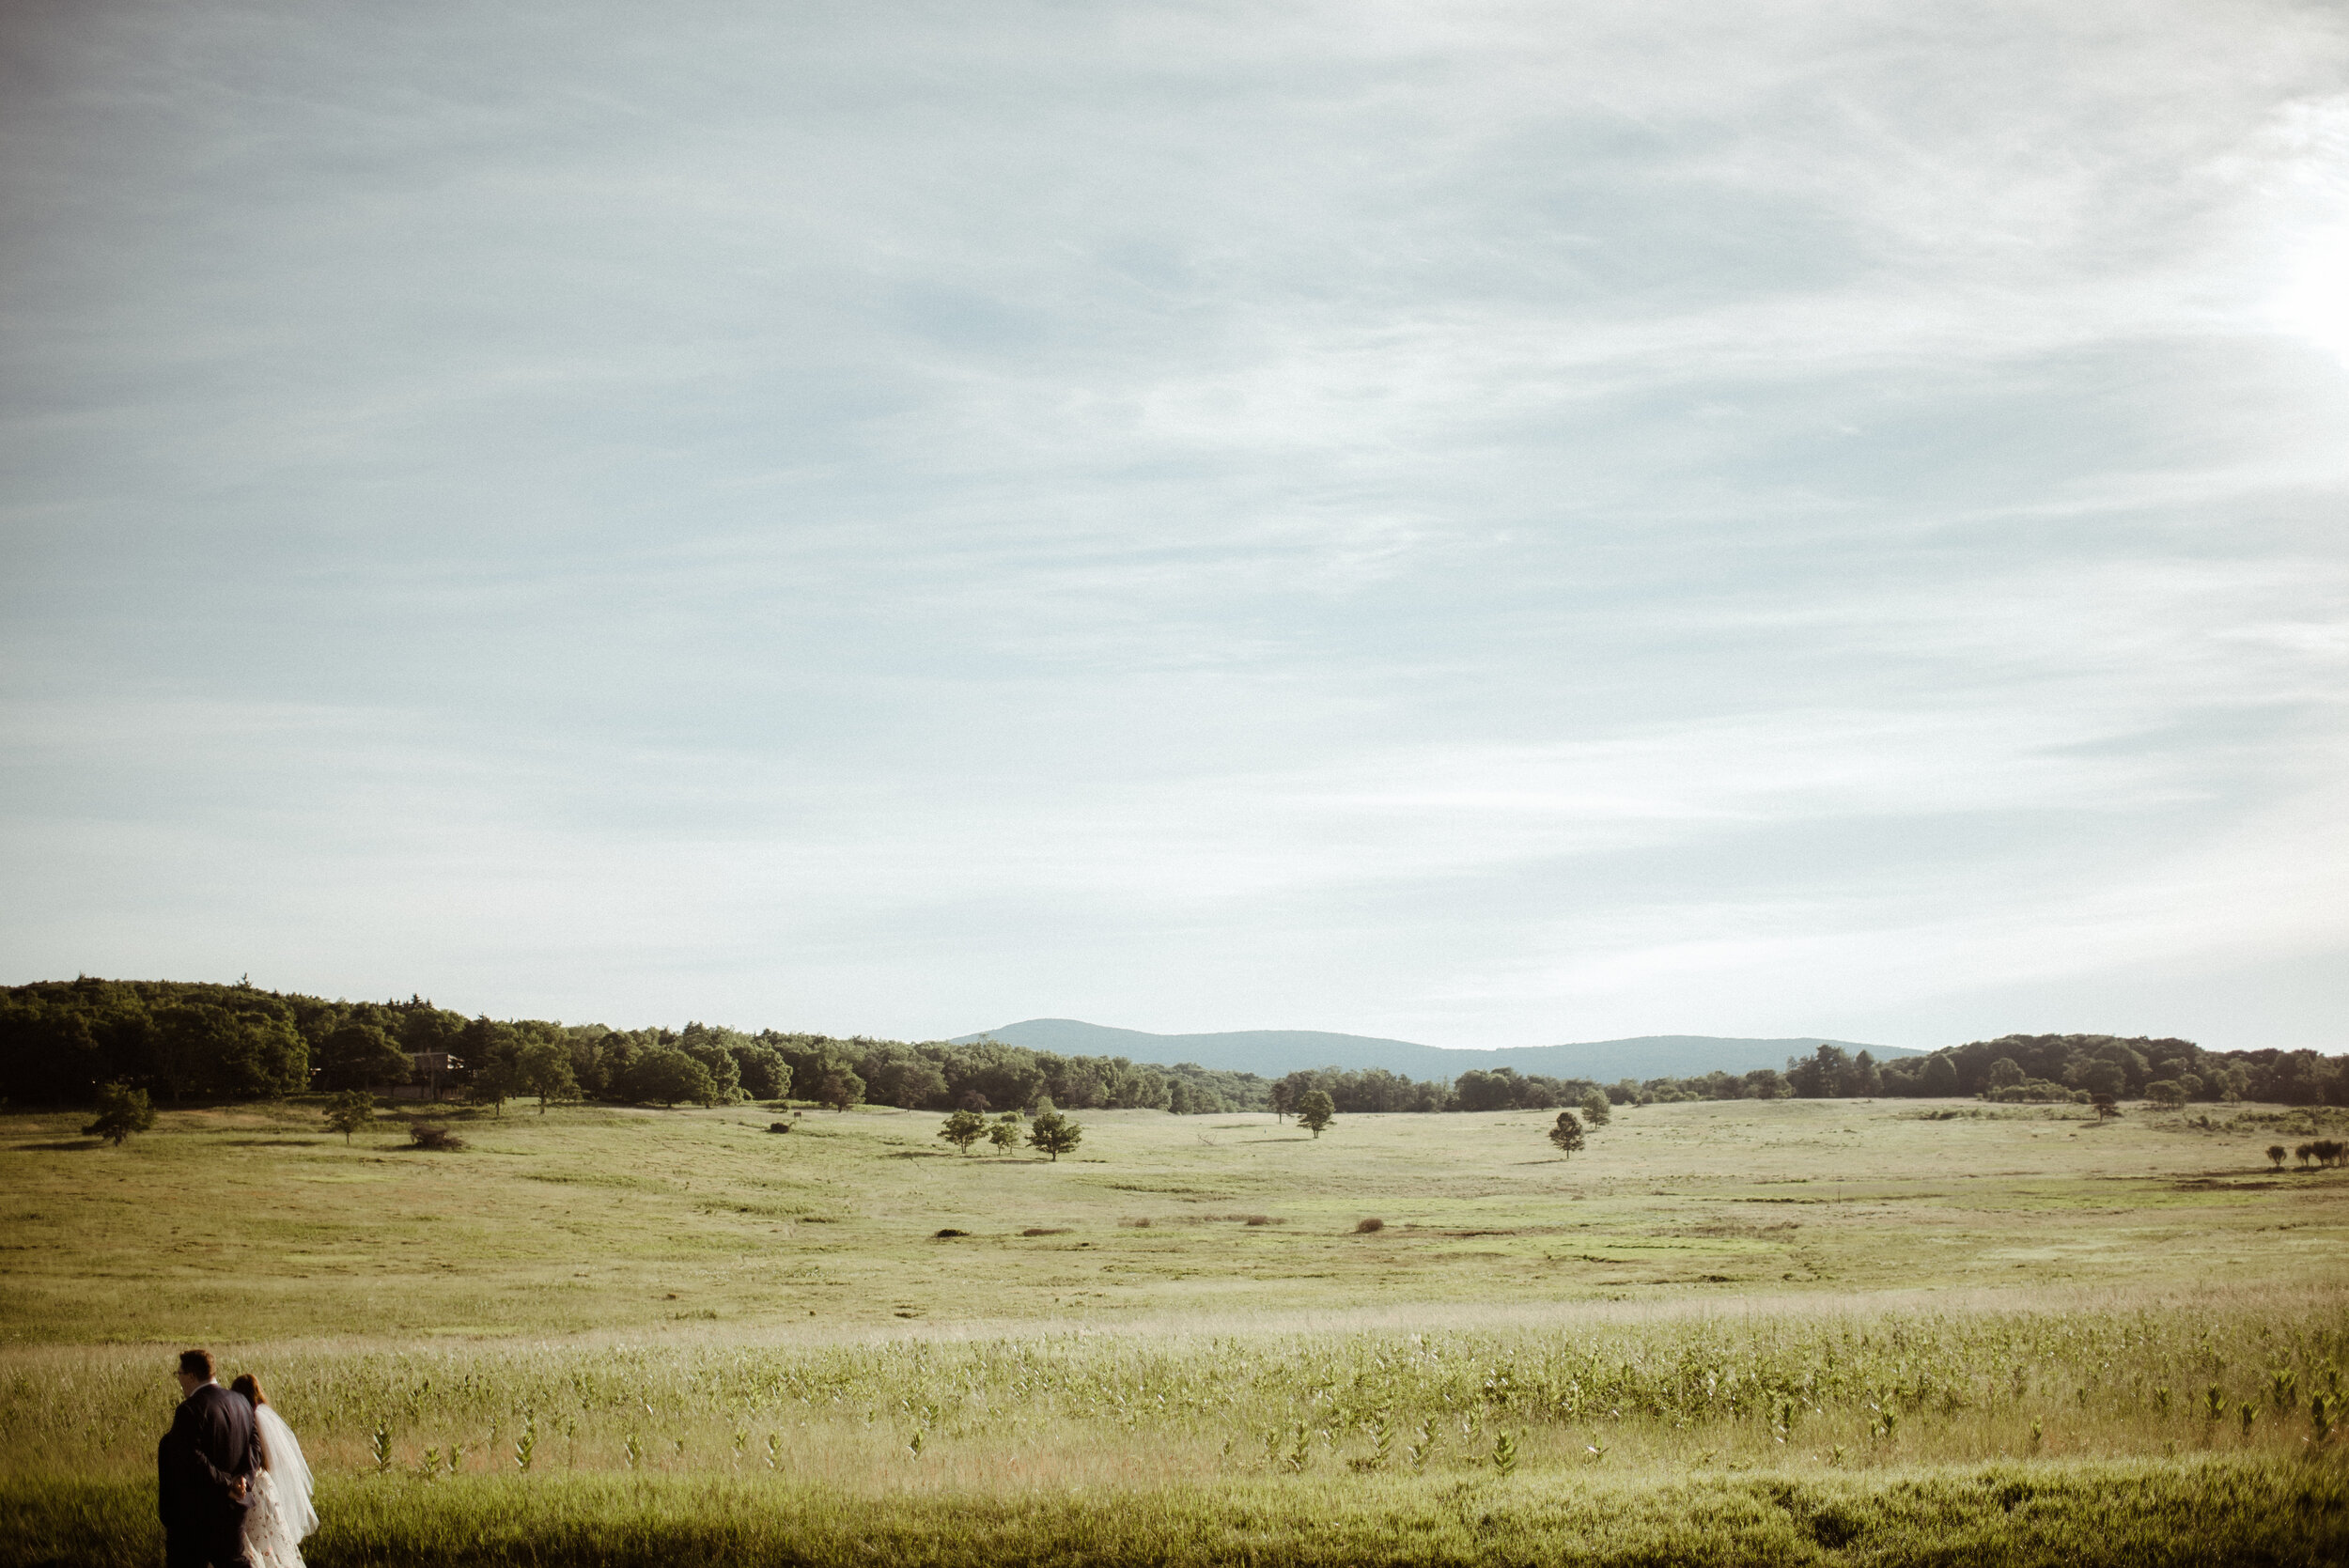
[(1806, 1390), (2076, 1514)]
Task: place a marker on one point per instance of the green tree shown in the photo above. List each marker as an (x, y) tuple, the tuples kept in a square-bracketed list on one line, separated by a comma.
[(359, 1055), (1863, 1081), (350, 1110), (840, 1088), (1314, 1111), (2276, 1152), (239, 1052), (122, 1112), (1567, 1133), (1055, 1133), (2167, 1093), (1940, 1077), (1596, 1109), (545, 1070), (2005, 1073), (1004, 1134), (963, 1128), (492, 1054), (670, 1075)]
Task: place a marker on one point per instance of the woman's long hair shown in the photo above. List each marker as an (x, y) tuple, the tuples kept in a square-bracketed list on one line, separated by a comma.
[(250, 1386)]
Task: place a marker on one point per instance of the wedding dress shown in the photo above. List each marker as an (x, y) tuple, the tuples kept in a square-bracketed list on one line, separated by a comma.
[(281, 1514)]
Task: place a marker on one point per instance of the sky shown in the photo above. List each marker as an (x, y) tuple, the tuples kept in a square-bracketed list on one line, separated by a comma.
[(1488, 524)]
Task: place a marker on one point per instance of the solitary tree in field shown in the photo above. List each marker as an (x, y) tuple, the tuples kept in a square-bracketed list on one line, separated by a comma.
[(1597, 1107), (1314, 1111), (2106, 1109), (1055, 1133), (964, 1128), (350, 1110), (1004, 1134), (2167, 1093), (1567, 1134), (122, 1112), (2276, 1152)]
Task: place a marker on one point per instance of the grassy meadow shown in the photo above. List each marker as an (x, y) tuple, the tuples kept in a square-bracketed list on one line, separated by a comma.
[(1949, 1331)]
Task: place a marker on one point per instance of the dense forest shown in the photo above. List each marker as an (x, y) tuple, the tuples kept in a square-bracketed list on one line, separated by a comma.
[(191, 1042)]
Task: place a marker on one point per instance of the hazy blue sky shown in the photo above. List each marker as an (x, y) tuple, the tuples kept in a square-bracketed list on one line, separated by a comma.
[(1490, 524)]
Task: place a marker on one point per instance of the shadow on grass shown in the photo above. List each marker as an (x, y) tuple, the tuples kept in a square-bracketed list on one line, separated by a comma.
[(69, 1143)]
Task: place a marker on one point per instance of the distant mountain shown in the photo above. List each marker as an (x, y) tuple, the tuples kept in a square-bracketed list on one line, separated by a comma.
[(1272, 1052)]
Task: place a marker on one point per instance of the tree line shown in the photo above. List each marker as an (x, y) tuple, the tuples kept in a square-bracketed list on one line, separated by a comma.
[(181, 1041), (2083, 1068)]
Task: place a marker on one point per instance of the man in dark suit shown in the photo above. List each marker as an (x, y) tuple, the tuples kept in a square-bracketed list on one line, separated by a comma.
[(204, 1471)]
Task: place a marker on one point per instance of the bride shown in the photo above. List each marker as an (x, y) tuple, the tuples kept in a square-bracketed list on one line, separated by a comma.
[(281, 1514)]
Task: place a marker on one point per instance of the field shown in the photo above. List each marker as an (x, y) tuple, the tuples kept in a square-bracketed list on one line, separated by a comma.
[(1831, 1330)]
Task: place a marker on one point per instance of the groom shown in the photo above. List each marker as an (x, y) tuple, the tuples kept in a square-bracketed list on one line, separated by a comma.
[(204, 1471)]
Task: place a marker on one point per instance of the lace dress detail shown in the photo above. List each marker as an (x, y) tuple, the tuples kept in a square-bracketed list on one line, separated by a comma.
[(281, 1514)]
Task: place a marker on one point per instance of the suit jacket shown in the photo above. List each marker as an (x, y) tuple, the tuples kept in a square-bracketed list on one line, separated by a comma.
[(211, 1444)]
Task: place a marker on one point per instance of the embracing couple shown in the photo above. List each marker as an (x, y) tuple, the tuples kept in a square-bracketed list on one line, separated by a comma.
[(233, 1488)]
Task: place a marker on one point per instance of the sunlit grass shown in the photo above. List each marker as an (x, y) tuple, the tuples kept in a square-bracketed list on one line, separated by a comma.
[(676, 1337)]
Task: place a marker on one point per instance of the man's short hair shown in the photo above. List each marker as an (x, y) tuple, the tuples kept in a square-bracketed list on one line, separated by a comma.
[(197, 1363)]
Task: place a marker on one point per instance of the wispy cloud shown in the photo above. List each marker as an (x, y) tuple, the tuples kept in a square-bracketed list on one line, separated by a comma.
[(1473, 522)]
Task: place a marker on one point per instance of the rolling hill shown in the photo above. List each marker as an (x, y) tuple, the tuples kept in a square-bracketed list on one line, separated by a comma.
[(1271, 1052)]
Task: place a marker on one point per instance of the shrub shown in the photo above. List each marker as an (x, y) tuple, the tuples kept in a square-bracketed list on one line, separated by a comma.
[(429, 1135), (1369, 1227), (777, 1126), (948, 1232)]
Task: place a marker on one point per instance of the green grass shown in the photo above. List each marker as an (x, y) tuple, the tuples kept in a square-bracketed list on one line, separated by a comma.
[(250, 1225), (2078, 1516), (1720, 1322)]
